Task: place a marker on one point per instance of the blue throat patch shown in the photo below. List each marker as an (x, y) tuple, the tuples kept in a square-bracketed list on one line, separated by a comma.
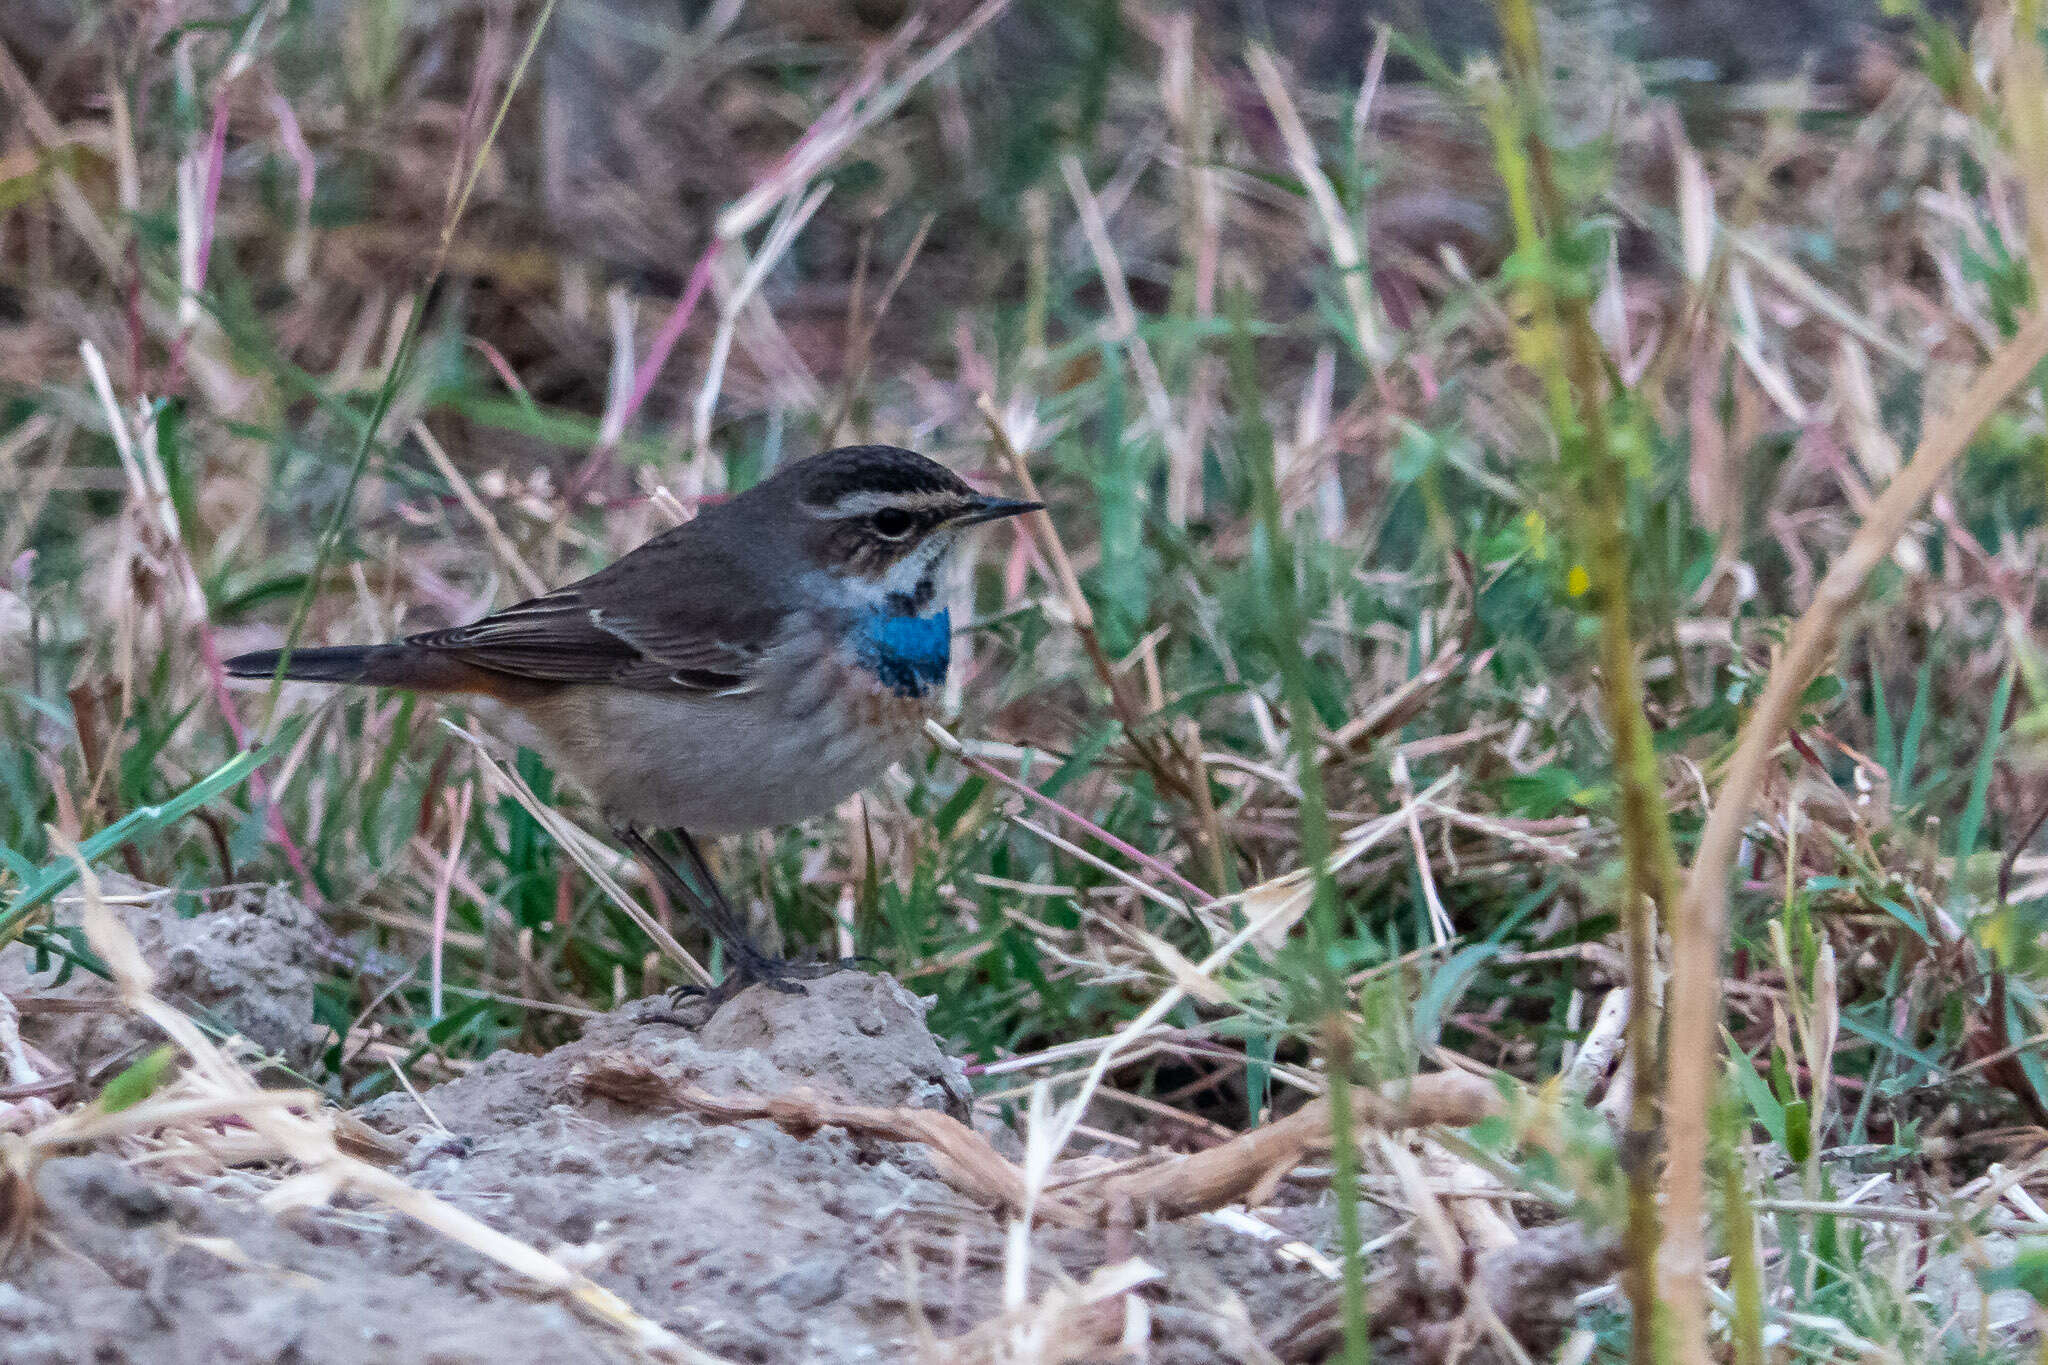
[(908, 654)]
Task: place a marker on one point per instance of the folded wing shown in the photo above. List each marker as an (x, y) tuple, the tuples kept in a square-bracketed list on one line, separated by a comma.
[(662, 618)]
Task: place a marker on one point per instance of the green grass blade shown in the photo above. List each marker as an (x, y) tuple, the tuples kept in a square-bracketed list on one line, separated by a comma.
[(1903, 789), (140, 823), (1980, 778), (1884, 739)]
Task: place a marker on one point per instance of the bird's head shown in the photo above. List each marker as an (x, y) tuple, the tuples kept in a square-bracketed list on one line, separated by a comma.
[(878, 521)]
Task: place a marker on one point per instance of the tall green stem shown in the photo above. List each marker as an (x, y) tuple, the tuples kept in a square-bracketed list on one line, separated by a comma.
[(1562, 347), (1738, 1220), (1274, 560)]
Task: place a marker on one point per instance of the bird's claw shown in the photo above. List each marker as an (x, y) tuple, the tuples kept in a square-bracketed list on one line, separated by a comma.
[(777, 974)]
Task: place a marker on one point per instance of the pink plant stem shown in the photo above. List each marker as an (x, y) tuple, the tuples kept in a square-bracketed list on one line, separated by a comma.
[(650, 368), (209, 650), (209, 207), (678, 319), (835, 118), (1195, 894), (496, 359), (671, 331), (490, 60), (216, 155), (295, 145)]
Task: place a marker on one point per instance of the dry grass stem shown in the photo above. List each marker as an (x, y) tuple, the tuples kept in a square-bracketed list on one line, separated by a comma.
[(1700, 929), (297, 1128), (1339, 234), (1245, 1169), (1333, 722), (585, 851)]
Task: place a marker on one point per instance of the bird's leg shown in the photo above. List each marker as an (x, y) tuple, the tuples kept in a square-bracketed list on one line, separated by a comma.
[(749, 963), (753, 965)]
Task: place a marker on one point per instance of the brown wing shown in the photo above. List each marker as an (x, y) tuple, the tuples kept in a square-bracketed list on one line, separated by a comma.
[(677, 613)]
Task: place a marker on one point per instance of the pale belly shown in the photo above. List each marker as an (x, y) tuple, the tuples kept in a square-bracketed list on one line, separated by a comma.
[(793, 748)]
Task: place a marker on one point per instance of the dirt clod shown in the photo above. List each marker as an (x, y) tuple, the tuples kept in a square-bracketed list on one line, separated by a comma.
[(744, 1238), (243, 963), (153, 1273)]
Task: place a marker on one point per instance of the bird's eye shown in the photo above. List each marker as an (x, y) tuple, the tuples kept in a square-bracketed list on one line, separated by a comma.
[(891, 523)]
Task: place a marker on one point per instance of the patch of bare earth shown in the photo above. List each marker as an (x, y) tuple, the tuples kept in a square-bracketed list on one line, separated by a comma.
[(789, 1180)]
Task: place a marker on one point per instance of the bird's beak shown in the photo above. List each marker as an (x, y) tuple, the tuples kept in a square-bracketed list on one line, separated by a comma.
[(995, 509)]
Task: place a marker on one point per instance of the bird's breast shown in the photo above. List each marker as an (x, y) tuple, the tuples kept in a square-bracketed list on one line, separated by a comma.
[(829, 710)]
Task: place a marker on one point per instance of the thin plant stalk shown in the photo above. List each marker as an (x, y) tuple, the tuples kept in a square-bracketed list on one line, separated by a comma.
[(1700, 929), (1738, 1229), (1288, 630), (1196, 895), (1565, 351), (401, 363), (1178, 770)]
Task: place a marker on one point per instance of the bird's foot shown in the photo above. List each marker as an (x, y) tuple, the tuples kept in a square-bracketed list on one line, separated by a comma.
[(776, 973)]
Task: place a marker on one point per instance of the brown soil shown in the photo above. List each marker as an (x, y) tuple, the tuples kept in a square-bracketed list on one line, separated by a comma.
[(246, 966), (745, 1240)]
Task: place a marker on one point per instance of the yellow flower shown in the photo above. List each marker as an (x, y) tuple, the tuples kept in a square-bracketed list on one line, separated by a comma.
[(1578, 582)]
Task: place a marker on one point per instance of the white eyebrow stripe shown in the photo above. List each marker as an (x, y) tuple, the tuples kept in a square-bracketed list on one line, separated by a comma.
[(863, 501)]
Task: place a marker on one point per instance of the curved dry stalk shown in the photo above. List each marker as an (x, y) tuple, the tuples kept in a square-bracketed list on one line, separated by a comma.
[(1244, 1169), (1701, 927)]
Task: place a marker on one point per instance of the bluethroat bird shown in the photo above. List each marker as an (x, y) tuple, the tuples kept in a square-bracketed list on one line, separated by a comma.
[(752, 667)]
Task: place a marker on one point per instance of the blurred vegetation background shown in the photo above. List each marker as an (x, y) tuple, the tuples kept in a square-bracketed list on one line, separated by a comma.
[(404, 309)]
